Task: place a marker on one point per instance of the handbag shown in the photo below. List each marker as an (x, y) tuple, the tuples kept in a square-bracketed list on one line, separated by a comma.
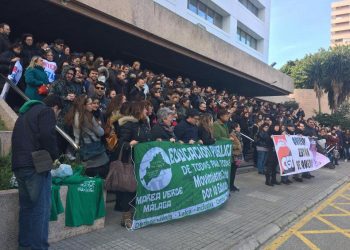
[(43, 90), (110, 136), (90, 150), (42, 160), (121, 176)]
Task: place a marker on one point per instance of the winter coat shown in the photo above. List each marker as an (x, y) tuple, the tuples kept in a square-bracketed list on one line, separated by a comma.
[(137, 94), (5, 61), (332, 140), (186, 131), (4, 43), (263, 139), (35, 77), (129, 128), (28, 52), (205, 136), (220, 131), (161, 131), (34, 130), (237, 144)]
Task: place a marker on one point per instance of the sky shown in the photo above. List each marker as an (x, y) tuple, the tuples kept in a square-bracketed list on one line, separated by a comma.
[(298, 27)]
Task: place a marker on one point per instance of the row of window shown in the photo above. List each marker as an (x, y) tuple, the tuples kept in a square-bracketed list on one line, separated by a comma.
[(250, 6), (247, 39), (205, 12), (215, 18)]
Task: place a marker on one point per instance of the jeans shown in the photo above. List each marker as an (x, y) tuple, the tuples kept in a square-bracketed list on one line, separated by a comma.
[(35, 204), (347, 153), (262, 156)]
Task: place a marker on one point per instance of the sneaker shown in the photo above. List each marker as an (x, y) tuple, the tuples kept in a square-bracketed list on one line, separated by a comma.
[(289, 181), (346, 160), (234, 189), (285, 182)]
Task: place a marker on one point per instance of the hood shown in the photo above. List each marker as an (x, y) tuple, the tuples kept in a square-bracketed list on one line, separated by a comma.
[(126, 119), (27, 105)]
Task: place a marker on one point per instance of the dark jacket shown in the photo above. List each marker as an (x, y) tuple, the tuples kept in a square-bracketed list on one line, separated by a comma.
[(185, 131), (128, 129), (35, 134), (35, 77), (137, 94), (205, 136), (5, 61), (309, 131), (263, 139), (161, 131), (4, 42), (28, 52)]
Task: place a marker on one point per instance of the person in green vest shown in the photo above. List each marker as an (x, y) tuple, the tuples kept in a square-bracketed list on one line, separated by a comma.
[(221, 132), (35, 77)]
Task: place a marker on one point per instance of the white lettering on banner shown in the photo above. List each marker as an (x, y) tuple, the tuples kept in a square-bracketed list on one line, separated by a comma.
[(177, 155), (156, 206), (148, 198), (172, 193), (207, 179), (182, 213)]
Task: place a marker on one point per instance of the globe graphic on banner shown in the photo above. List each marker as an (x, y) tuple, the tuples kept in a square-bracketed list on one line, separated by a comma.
[(155, 169)]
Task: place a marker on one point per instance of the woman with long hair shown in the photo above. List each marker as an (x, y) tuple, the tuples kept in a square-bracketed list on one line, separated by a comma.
[(35, 77), (132, 130), (206, 130), (87, 134)]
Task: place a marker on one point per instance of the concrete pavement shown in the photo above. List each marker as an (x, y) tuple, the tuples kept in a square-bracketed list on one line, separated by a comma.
[(249, 219)]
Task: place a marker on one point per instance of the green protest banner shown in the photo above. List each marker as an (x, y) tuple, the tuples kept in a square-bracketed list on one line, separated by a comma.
[(178, 180)]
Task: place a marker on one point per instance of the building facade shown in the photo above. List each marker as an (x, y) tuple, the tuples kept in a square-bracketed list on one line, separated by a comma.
[(340, 23), (241, 23)]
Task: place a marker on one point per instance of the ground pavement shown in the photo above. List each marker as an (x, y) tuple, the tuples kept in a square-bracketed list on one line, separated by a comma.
[(248, 220)]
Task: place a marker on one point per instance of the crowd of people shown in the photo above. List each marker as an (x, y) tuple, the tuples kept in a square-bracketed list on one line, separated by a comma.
[(109, 107)]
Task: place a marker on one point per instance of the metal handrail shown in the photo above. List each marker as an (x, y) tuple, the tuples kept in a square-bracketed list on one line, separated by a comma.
[(26, 98)]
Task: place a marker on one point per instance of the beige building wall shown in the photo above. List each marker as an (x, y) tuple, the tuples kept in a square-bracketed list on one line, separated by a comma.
[(306, 99), (340, 23)]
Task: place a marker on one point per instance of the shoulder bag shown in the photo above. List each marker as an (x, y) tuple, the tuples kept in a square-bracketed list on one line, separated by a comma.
[(121, 176)]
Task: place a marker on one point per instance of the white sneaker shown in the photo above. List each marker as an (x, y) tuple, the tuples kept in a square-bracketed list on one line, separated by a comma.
[(346, 160)]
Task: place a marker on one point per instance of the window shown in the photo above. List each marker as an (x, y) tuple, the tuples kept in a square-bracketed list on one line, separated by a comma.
[(250, 6), (247, 39), (205, 12)]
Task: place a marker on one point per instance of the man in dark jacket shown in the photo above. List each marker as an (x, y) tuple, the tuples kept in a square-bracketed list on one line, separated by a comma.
[(29, 49), (57, 51), (187, 130), (137, 91), (34, 130), (4, 37)]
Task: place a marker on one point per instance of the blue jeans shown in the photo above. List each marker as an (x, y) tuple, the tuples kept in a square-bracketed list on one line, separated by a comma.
[(262, 157), (35, 204)]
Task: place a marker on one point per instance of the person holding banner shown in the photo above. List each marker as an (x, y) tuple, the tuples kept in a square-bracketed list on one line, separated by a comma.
[(163, 131), (132, 129), (272, 160), (205, 130), (221, 132), (290, 130)]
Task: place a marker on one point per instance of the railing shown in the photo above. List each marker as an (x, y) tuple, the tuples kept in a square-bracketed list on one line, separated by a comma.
[(26, 98)]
